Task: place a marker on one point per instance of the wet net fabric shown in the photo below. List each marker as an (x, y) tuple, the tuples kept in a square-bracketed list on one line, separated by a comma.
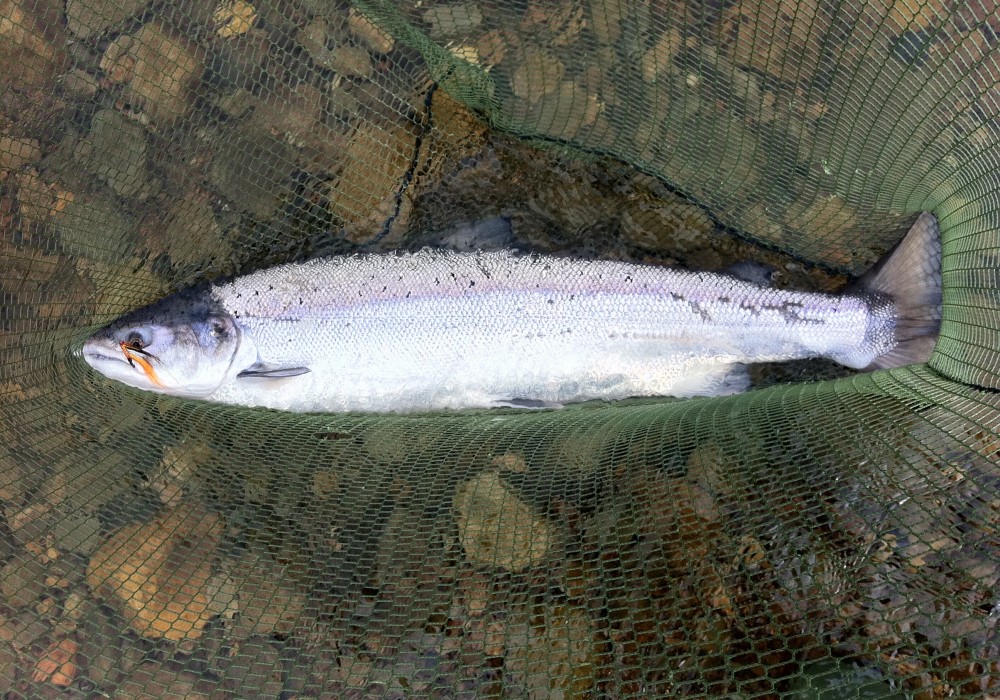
[(827, 535)]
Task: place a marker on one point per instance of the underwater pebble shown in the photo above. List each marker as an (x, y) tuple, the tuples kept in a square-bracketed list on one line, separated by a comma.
[(87, 18), (27, 629), (551, 651), (829, 224), (369, 33), (562, 112), (313, 38), (375, 162), (15, 152), (783, 39), (538, 75), (159, 574), (249, 168), (452, 19), (351, 61), (57, 665), (267, 599), (661, 227), (186, 231), (22, 581), (167, 680), (114, 150), (160, 70), (96, 228), (658, 60), (78, 532), (255, 670), (8, 669), (32, 43), (496, 527), (101, 648), (80, 84), (233, 18)]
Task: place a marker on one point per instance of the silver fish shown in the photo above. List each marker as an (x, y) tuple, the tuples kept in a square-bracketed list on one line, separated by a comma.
[(439, 329)]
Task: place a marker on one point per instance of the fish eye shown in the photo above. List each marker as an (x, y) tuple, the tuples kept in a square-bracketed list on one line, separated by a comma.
[(134, 341), (218, 329)]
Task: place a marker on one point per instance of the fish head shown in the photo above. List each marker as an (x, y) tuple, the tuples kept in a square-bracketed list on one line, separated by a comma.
[(182, 346)]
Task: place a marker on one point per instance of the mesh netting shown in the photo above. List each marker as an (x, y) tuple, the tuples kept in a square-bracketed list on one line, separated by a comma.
[(809, 539)]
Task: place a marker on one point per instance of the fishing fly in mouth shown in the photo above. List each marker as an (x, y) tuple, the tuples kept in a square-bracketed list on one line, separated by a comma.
[(441, 329)]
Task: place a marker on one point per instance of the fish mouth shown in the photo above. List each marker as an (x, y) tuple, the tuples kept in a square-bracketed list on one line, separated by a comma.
[(94, 351)]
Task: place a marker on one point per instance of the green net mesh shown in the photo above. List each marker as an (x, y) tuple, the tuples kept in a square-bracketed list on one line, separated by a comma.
[(810, 539)]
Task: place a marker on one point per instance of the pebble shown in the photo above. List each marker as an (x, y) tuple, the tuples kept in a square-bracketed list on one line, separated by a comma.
[(77, 532), (496, 527), (234, 18), (369, 33), (96, 227), (160, 71), (80, 84), (255, 670), (351, 61), (452, 19), (8, 669), (538, 75), (57, 664), (15, 152), (87, 18), (32, 39), (114, 150), (22, 581), (249, 168), (160, 574)]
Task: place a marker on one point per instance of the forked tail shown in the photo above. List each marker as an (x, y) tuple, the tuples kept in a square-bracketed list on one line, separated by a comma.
[(910, 276)]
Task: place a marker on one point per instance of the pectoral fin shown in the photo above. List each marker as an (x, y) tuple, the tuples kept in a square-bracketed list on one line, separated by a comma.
[(263, 371)]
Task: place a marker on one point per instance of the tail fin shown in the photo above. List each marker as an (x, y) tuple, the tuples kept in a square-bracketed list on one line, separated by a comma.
[(910, 275)]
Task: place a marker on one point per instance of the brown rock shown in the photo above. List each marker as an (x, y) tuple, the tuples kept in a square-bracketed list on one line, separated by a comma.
[(268, 601), (659, 58), (452, 19), (538, 75), (554, 652), (160, 574), (96, 227), (114, 151), (313, 38), (249, 169), (352, 61), (31, 43), (57, 664), (255, 670), (234, 18), (87, 18), (15, 152), (496, 527), (606, 19), (188, 233), (22, 581), (162, 681), (828, 225), (783, 39), (364, 196), (369, 33), (160, 68), (8, 670)]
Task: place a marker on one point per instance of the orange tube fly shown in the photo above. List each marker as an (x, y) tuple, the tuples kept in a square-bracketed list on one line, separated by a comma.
[(135, 354)]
